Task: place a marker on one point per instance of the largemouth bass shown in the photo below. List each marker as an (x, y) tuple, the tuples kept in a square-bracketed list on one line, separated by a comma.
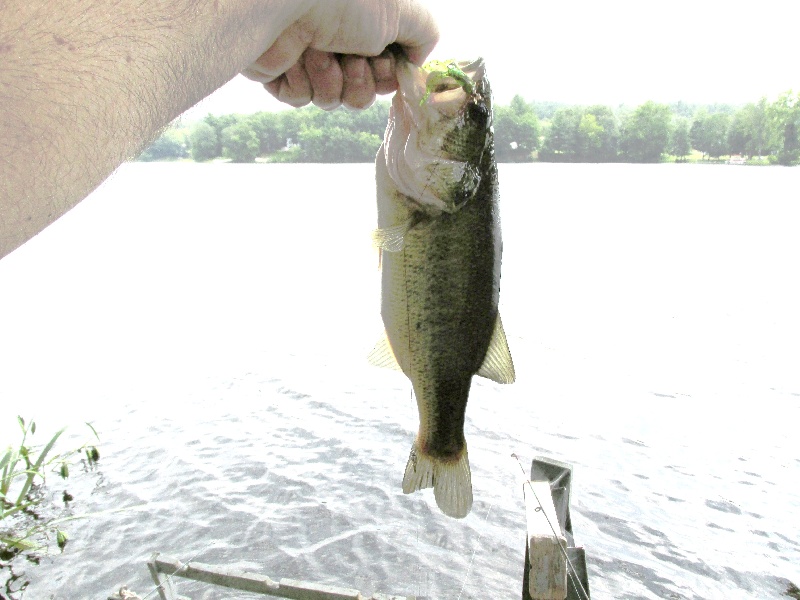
[(439, 235)]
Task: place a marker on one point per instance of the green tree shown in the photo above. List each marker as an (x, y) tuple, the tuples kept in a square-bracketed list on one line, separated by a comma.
[(292, 121), (680, 144), (709, 133), (579, 134), (697, 133), (170, 145), (605, 142), (267, 128), (240, 143), (220, 122), (646, 133), (560, 143), (203, 142), (681, 109), (337, 145), (373, 119), (739, 134), (716, 134), (785, 113), (588, 137), (516, 131), (762, 134), (546, 110)]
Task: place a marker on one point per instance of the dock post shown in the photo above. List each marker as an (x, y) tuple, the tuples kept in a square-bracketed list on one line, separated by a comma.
[(547, 579), (550, 543), (151, 566)]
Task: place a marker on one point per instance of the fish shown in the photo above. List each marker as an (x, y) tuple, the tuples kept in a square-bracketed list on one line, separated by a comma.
[(440, 254)]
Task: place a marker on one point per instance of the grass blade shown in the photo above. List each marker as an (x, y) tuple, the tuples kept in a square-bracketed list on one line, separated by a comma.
[(89, 425), (38, 464)]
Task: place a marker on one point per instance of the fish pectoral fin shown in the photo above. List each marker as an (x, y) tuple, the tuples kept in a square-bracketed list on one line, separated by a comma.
[(497, 364), (451, 481), (392, 239), (382, 355)]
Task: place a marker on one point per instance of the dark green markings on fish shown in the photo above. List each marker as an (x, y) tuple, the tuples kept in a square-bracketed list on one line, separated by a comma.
[(441, 261)]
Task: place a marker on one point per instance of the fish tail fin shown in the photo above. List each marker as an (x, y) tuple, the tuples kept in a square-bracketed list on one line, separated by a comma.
[(451, 481)]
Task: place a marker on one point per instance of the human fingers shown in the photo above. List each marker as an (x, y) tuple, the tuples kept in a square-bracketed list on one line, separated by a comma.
[(358, 90), (281, 56), (325, 77), (367, 27), (347, 28), (293, 87), (383, 72)]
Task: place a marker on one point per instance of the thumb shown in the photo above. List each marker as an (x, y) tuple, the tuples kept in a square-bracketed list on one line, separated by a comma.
[(417, 32)]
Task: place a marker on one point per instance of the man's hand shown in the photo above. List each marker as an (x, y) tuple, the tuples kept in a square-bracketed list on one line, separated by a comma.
[(335, 52)]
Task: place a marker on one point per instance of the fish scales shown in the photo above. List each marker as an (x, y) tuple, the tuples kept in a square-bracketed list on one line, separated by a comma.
[(441, 272)]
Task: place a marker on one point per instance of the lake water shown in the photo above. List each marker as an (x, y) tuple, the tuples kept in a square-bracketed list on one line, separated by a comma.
[(212, 321)]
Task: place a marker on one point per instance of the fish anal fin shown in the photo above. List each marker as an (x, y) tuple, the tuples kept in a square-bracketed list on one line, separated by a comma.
[(497, 364), (451, 481), (382, 355)]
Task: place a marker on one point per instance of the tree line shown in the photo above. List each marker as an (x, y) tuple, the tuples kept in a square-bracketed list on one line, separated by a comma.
[(652, 132), (300, 135), (549, 132)]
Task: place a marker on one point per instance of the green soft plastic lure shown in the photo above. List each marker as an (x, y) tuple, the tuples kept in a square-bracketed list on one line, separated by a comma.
[(439, 71)]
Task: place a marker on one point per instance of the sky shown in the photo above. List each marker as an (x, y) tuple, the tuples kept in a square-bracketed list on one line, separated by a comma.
[(611, 52)]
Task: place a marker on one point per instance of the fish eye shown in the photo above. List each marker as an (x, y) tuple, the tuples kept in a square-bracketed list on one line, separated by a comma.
[(478, 113)]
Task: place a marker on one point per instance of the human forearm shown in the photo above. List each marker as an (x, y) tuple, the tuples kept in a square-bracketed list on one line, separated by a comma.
[(84, 88), (85, 84)]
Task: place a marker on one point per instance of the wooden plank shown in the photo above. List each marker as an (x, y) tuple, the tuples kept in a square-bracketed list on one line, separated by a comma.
[(259, 584), (299, 590), (234, 579), (151, 566), (547, 579)]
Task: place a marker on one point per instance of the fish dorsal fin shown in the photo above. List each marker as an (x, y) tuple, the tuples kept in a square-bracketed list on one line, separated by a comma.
[(392, 239), (382, 355), (497, 364)]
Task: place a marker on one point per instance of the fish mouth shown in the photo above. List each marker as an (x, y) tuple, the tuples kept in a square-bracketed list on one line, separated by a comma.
[(434, 103), (443, 85)]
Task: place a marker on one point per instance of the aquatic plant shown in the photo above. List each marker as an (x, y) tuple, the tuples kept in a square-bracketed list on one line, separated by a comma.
[(23, 471)]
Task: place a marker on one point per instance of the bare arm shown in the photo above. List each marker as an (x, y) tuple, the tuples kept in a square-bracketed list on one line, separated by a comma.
[(86, 84)]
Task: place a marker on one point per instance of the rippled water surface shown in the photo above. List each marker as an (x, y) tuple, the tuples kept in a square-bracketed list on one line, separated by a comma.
[(212, 322)]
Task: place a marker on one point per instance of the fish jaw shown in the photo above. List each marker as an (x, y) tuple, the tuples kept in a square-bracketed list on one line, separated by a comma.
[(435, 141)]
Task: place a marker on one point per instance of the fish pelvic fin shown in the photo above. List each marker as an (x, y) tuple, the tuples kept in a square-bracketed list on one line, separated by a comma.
[(382, 355), (392, 239), (451, 481), (497, 364)]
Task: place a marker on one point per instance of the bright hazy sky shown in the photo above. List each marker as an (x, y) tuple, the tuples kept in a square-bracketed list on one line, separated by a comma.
[(610, 52)]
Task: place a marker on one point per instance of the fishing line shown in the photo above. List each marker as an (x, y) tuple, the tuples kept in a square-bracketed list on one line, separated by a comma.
[(474, 551), (571, 571)]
